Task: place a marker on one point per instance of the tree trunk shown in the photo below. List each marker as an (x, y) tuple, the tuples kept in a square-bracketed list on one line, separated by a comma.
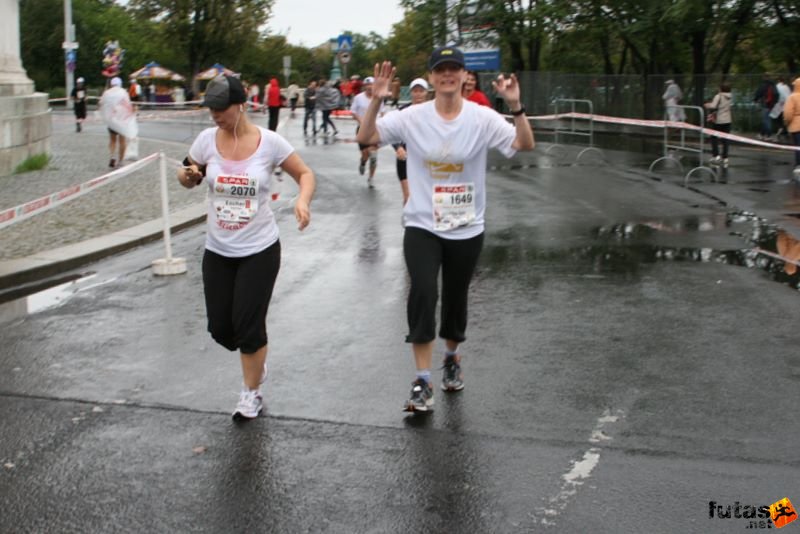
[(698, 66)]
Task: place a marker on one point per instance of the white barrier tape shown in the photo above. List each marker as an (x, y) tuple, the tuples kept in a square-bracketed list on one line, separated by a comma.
[(662, 124), (168, 115), (777, 256), (34, 207), (92, 118)]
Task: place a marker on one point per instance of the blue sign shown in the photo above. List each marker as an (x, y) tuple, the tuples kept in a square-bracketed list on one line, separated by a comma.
[(345, 43), (71, 58), (482, 59)]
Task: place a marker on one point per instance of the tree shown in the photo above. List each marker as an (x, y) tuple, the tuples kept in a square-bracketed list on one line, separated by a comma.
[(207, 31)]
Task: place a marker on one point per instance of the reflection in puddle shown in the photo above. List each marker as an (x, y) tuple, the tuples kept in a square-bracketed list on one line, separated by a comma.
[(624, 248), (41, 300), (767, 247)]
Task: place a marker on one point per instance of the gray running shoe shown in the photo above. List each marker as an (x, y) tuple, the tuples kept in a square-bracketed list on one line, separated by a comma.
[(421, 399), (452, 377)]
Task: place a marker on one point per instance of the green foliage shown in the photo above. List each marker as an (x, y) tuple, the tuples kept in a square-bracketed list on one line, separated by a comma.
[(642, 37), (33, 163)]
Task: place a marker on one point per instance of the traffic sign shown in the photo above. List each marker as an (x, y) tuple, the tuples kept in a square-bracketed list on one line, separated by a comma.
[(344, 57), (345, 43)]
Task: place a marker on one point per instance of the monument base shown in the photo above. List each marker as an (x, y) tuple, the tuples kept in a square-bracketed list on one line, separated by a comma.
[(25, 126)]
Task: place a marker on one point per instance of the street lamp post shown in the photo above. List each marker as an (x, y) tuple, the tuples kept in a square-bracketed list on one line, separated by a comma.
[(70, 46)]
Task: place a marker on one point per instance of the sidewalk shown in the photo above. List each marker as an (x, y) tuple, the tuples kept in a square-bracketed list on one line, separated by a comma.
[(108, 219)]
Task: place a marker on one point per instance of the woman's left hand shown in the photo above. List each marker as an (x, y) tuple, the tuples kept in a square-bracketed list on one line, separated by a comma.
[(302, 213), (507, 88)]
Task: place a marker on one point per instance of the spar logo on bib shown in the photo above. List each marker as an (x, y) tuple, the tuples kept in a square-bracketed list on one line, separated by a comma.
[(443, 171)]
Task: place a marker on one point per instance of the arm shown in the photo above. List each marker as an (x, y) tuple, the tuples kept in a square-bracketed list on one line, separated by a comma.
[(788, 110), (367, 133), (508, 89), (304, 177)]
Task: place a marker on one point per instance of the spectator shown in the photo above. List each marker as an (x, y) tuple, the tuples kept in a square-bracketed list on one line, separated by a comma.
[(355, 86), (471, 92), (310, 102), (766, 96), (327, 100), (791, 118), (672, 97), (346, 88), (293, 92), (274, 102), (783, 94), (720, 116)]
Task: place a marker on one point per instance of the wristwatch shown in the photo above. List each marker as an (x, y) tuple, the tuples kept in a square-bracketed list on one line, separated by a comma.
[(520, 111)]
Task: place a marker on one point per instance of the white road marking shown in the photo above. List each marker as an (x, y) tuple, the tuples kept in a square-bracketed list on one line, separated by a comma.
[(581, 470)]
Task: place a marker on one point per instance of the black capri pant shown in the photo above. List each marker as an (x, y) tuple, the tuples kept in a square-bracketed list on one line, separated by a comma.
[(425, 254), (238, 291)]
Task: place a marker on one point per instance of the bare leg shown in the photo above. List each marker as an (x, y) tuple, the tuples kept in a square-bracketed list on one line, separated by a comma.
[(123, 144), (423, 355), (253, 367)]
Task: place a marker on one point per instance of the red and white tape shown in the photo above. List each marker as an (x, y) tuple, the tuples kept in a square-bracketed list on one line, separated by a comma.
[(661, 124), (34, 207)]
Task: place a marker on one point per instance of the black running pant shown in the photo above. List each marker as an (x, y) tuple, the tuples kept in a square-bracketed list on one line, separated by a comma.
[(274, 115), (425, 255), (326, 120), (726, 128), (238, 291)]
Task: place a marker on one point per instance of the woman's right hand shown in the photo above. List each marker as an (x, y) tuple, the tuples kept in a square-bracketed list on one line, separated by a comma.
[(189, 176), (384, 73)]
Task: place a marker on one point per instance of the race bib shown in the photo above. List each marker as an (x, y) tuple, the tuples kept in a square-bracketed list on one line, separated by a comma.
[(453, 206), (235, 200)]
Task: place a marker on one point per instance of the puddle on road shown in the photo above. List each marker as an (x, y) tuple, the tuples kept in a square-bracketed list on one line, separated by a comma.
[(624, 248), (43, 299)]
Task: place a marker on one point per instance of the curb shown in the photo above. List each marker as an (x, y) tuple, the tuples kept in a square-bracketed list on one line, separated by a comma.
[(49, 263)]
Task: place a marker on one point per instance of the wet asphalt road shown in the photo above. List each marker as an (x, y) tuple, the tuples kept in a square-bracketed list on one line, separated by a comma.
[(609, 388)]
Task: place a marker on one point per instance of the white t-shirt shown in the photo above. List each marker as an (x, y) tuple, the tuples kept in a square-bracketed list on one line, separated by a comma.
[(240, 222), (361, 103), (447, 164)]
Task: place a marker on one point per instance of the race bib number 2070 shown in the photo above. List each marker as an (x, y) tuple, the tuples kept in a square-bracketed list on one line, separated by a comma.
[(235, 200)]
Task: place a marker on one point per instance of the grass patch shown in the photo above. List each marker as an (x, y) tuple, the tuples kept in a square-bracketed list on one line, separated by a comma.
[(33, 163)]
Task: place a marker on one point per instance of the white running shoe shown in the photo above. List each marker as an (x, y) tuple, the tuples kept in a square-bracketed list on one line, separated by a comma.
[(796, 171), (250, 405)]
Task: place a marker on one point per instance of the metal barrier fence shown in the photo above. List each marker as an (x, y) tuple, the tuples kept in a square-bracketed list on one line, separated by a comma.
[(634, 96), (697, 146), (573, 130)]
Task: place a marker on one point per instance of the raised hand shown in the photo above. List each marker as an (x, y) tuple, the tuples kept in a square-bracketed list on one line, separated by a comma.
[(384, 74), (507, 88)]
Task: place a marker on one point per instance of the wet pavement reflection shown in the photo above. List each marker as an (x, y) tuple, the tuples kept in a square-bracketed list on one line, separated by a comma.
[(623, 248)]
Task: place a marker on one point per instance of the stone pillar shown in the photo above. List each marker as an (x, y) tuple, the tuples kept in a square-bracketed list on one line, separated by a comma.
[(24, 115)]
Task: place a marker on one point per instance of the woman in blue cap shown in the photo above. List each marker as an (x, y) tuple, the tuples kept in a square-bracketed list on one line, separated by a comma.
[(448, 139)]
